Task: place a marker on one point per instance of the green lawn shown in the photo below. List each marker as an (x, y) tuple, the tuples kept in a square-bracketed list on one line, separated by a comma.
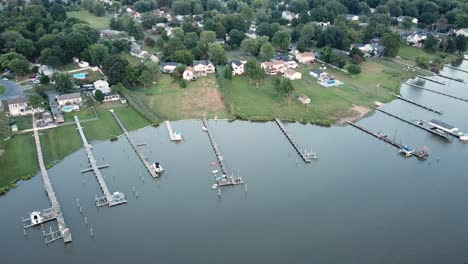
[(18, 155), (134, 61), (2, 89), (411, 53), (23, 122), (83, 114), (94, 21)]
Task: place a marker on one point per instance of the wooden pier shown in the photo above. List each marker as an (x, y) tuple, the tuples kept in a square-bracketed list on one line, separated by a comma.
[(432, 91), (135, 147), (454, 68), (451, 78), (432, 131), (384, 138), (431, 80), (54, 212), (305, 157), (172, 135), (416, 104), (215, 145), (109, 199)]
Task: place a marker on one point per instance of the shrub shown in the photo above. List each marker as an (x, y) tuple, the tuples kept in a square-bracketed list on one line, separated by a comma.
[(354, 69)]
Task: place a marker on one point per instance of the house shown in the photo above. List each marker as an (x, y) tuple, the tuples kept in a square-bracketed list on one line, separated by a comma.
[(304, 99), (403, 18), (67, 99), (237, 67), (251, 34), (203, 67), (462, 31), (101, 85), (220, 41), (46, 117), (316, 73), (168, 67), (305, 57), (189, 73), (46, 70), (377, 50), (19, 107), (109, 32), (109, 97), (292, 74), (416, 38), (274, 67), (290, 63), (83, 64), (59, 118), (352, 17), (149, 56), (289, 15)]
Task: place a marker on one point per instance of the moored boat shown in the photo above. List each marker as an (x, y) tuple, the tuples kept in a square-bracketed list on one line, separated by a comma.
[(157, 168), (407, 151)]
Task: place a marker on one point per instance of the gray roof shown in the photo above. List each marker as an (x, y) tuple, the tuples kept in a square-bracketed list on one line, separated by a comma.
[(316, 71), (19, 100), (236, 62), (69, 96), (202, 62), (162, 64), (441, 124)]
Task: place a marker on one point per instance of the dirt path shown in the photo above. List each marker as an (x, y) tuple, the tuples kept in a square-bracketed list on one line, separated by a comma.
[(353, 114)]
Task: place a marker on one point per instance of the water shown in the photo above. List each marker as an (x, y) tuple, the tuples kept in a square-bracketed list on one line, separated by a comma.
[(361, 202)]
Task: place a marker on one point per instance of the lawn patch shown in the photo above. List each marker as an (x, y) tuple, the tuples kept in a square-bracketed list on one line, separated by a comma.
[(94, 21)]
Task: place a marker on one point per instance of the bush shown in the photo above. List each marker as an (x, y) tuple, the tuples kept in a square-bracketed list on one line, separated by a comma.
[(354, 69), (422, 62), (357, 59)]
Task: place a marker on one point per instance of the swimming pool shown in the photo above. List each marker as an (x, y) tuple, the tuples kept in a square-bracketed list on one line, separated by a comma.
[(70, 108), (80, 75)]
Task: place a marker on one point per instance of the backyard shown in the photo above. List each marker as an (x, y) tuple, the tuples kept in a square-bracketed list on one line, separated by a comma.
[(94, 21), (2, 89), (410, 53)]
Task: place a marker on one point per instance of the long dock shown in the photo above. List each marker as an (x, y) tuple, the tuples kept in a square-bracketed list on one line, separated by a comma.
[(171, 131), (135, 147), (215, 145), (384, 138), (455, 68), (451, 78), (416, 104), (431, 80), (108, 199), (434, 132), (306, 158), (432, 91), (54, 212)]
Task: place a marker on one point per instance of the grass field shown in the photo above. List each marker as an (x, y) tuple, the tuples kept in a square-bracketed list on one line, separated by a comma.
[(168, 101), (2, 89), (18, 155), (134, 61), (94, 21), (23, 122), (411, 53)]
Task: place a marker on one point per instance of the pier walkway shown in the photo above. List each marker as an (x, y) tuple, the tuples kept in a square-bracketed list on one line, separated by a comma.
[(304, 156), (451, 78), (215, 145), (432, 91), (432, 131), (108, 199), (416, 104), (54, 212), (431, 80), (135, 147), (454, 68), (171, 131), (384, 138)]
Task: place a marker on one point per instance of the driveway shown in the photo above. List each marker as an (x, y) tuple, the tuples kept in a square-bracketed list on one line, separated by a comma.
[(13, 89)]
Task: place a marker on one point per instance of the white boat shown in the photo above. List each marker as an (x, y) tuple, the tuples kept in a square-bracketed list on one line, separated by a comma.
[(214, 186), (464, 137), (157, 168), (407, 151), (36, 218), (214, 171), (177, 136), (204, 129)]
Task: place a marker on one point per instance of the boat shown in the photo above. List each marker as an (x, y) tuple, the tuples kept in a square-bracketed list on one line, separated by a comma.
[(36, 218), (213, 163), (177, 136), (214, 171), (443, 126), (214, 186), (157, 168), (204, 129), (407, 151), (464, 137)]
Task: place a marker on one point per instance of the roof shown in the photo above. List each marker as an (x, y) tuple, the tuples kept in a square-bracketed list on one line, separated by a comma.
[(190, 69), (441, 124), (19, 100), (282, 57), (303, 97), (316, 71), (202, 62), (236, 62), (290, 72), (163, 64), (306, 54), (69, 96)]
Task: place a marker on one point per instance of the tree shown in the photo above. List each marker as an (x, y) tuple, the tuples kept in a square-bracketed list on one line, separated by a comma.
[(99, 10), (354, 69), (235, 38), (220, 30), (143, 6), (150, 42), (357, 59), (285, 88), (36, 101), (145, 77), (266, 51), (191, 40), (182, 56), (96, 53), (391, 42), (228, 72), (135, 30), (217, 54), (460, 42), (58, 12), (430, 43), (281, 40), (115, 69), (15, 62), (99, 95), (254, 71), (207, 37), (44, 79), (148, 20), (250, 45), (63, 82), (422, 62)]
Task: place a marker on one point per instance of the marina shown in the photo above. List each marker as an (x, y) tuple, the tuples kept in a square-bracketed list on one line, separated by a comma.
[(40, 217), (422, 153), (455, 68), (135, 147), (110, 199), (174, 136), (431, 80), (416, 104), (306, 157), (419, 124), (433, 91)]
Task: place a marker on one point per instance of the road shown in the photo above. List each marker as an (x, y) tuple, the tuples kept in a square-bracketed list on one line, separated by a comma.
[(13, 89)]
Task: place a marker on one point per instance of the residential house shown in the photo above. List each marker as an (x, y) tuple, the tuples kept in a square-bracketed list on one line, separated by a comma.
[(462, 31), (168, 67), (102, 85), (292, 74), (286, 59), (149, 56), (220, 41), (46, 70), (46, 117), (352, 17), (304, 99), (251, 34), (289, 15), (189, 73), (412, 19), (237, 67), (316, 73), (109, 32), (19, 107), (370, 50), (203, 67), (305, 57), (416, 39), (274, 67), (377, 50), (68, 99)]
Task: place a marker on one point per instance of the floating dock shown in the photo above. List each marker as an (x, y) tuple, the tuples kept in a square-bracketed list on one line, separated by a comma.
[(305, 156), (172, 135), (384, 138), (431, 80), (135, 147), (451, 78), (454, 68), (432, 91), (416, 104), (215, 145), (416, 124), (37, 218), (108, 199)]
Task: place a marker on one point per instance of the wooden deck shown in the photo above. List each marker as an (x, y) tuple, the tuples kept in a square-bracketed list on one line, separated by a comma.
[(170, 131), (215, 145), (437, 92), (306, 158)]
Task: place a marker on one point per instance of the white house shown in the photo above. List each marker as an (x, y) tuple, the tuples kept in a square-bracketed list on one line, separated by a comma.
[(203, 67), (83, 64), (67, 99), (412, 19), (289, 15), (237, 67), (352, 17), (462, 31), (251, 34), (46, 70), (102, 85), (19, 107), (292, 74), (304, 99), (316, 73), (290, 63), (274, 67), (305, 57), (168, 67), (189, 73)]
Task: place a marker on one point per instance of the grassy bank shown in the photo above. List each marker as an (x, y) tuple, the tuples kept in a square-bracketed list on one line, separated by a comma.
[(94, 21), (2, 89), (409, 53), (18, 155)]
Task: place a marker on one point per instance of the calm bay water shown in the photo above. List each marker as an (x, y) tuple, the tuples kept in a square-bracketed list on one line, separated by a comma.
[(361, 202)]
